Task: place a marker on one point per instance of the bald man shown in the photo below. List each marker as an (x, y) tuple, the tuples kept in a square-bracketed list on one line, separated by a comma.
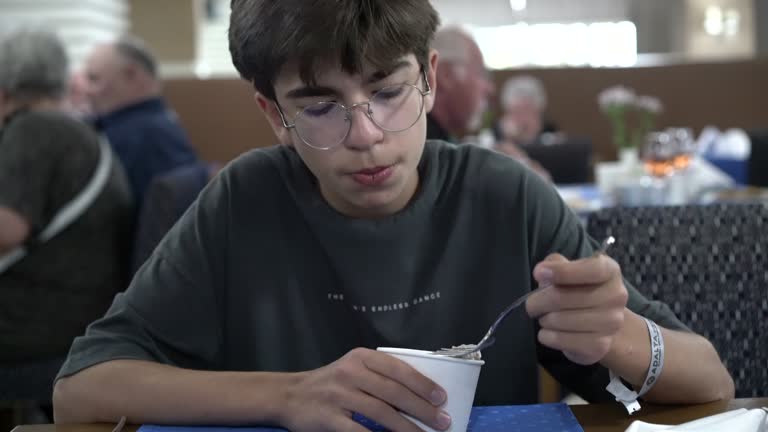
[(464, 86), (464, 89), (124, 92)]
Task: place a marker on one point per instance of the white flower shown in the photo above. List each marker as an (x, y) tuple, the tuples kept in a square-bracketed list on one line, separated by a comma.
[(616, 96), (649, 103)]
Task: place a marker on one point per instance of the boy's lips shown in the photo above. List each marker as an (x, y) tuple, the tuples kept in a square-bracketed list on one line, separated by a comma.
[(371, 171), (373, 176)]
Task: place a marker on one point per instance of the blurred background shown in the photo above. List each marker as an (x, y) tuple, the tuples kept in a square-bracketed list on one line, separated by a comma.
[(704, 59), (628, 102)]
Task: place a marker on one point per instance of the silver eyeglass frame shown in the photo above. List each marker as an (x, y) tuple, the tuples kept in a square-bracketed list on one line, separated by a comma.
[(348, 112)]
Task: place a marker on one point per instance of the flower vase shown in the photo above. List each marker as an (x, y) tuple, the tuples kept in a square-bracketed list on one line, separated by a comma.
[(628, 157), (630, 163), (612, 177)]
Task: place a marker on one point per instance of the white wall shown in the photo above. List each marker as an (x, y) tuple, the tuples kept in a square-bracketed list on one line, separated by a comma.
[(667, 30), (701, 44), (499, 12), (80, 23)]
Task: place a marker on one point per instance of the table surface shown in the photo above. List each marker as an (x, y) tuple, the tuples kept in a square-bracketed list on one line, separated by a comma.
[(609, 417)]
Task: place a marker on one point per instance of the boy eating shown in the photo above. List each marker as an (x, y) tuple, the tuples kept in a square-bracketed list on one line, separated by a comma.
[(264, 304)]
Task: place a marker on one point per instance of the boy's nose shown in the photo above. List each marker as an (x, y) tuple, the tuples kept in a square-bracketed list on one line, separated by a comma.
[(363, 132)]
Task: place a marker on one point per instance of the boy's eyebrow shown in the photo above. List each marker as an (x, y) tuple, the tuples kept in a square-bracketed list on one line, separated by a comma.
[(319, 91), (310, 91), (381, 74)]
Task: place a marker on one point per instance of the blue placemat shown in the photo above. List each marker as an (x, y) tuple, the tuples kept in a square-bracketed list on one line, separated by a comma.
[(555, 417)]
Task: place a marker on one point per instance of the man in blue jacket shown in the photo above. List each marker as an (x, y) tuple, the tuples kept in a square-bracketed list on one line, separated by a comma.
[(125, 94)]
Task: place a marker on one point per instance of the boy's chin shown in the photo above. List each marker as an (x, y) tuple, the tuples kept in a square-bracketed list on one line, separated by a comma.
[(378, 203)]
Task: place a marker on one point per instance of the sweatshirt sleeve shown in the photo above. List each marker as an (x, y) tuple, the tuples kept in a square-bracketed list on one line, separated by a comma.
[(554, 228)]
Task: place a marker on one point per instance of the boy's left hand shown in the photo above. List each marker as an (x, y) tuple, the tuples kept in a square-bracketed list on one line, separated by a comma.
[(583, 309)]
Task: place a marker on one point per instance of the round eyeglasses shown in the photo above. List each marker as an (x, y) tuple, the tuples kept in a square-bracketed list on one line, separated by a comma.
[(324, 125)]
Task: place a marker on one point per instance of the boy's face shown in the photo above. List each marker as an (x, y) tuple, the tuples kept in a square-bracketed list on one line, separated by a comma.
[(370, 172)]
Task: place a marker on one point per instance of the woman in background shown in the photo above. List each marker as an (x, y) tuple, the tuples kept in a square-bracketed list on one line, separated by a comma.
[(46, 158)]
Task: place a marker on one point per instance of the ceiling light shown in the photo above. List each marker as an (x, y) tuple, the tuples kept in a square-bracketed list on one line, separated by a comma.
[(517, 5)]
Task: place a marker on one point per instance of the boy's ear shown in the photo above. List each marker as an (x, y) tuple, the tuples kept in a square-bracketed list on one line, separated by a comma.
[(273, 117), (429, 101)]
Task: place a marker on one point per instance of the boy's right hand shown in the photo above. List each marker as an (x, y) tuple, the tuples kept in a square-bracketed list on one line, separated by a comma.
[(371, 383)]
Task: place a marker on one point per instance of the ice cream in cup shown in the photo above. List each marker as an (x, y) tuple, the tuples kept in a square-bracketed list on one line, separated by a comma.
[(457, 376)]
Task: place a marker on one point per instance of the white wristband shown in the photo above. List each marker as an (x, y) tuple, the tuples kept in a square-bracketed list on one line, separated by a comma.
[(628, 397), (657, 357)]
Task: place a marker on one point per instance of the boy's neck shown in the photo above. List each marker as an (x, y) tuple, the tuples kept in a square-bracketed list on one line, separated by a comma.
[(401, 202)]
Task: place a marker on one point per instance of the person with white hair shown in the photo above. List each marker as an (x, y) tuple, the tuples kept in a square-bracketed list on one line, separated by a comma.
[(523, 100), (465, 87), (47, 158), (463, 97), (523, 103)]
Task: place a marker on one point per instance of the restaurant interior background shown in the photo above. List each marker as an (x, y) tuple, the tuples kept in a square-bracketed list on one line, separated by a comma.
[(706, 60)]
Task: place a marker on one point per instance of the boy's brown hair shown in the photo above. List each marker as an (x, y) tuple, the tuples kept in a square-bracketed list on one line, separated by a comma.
[(267, 35)]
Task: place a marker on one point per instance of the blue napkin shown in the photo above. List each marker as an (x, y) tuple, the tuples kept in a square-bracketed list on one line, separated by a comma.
[(556, 417)]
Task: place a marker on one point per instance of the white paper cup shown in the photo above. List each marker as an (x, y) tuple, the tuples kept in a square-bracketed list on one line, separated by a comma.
[(458, 377)]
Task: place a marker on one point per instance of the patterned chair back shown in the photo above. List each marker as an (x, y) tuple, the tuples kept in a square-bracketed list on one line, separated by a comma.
[(710, 265)]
